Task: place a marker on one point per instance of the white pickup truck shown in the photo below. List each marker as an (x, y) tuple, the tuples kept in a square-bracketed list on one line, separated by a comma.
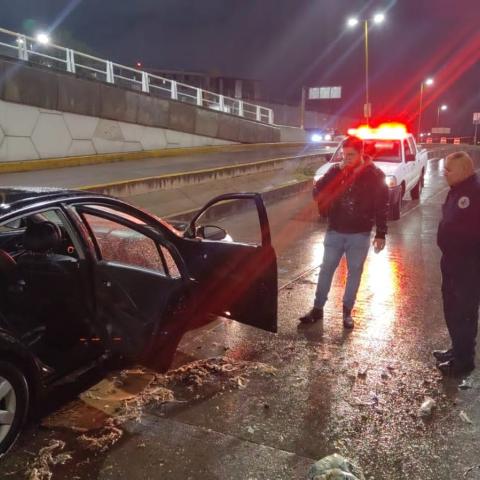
[(396, 153)]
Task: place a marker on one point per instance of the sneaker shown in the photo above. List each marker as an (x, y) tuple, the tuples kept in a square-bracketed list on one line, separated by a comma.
[(347, 318), (312, 316)]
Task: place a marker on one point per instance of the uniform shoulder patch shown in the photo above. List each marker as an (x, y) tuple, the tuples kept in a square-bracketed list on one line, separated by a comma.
[(463, 202)]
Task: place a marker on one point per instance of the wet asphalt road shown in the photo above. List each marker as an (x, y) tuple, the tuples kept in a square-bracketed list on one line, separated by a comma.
[(354, 393)]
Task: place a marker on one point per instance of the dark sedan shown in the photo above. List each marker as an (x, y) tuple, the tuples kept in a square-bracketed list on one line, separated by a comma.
[(85, 277)]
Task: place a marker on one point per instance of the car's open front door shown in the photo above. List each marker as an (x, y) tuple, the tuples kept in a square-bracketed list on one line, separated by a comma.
[(235, 280)]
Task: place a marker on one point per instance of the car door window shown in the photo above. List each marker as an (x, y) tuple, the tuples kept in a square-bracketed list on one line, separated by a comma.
[(119, 243)]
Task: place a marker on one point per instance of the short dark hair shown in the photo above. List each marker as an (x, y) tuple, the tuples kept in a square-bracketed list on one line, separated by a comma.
[(353, 142)]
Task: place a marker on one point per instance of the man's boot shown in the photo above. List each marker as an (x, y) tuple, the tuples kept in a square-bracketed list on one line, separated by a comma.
[(347, 318)]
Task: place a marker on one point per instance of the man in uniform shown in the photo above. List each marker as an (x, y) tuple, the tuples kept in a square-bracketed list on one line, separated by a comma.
[(459, 240)]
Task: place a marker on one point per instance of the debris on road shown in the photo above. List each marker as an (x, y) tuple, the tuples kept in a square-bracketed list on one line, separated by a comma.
[(466, 384), (426, 409), (470, 470), (362, 373), (465, 417), (102, 440), (209, 370), (335, 467), (47, 457)]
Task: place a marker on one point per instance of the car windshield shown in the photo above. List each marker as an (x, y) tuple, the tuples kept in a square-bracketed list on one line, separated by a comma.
[(379, 150)]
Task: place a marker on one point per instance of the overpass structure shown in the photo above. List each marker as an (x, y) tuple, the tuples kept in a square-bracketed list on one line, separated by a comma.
[(56, 102)]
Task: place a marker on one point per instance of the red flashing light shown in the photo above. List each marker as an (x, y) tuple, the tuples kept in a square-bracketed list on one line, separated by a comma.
[(385, 131), (139, 64)]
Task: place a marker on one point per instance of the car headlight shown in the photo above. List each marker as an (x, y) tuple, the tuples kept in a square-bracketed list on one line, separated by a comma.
[(316, 137), (391, 181)]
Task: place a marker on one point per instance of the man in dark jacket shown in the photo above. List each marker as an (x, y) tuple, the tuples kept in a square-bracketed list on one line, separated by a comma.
[(354, 196), (459, 240)]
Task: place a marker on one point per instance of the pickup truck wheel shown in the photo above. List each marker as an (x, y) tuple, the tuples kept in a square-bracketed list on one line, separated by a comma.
[(417, 189), (13, 404), (395, 210)]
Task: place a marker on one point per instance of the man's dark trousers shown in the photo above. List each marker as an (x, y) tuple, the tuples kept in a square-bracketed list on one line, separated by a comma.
[(461, 298)]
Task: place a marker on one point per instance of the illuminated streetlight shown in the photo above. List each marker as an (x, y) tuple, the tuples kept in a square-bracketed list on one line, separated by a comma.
[(441, 108), (352, 22), (428, 82), (379, 18), (43, 38)]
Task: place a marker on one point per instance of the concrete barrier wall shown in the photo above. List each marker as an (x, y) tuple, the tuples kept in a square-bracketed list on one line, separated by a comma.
[(291, 167), (50, 92), (29, 133), (293, 134)]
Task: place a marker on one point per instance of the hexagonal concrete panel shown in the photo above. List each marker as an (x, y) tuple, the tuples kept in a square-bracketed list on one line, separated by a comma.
[(51, 136), (81, 127), (153, 138), (108, 130), (17, 148), (107, 146), (131, 131), (132, 147), (81, 147), (2, 135), (18, 120)]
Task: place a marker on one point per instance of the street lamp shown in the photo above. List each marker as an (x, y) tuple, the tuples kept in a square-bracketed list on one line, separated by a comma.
[(43, 38), (353, 22), (441, 108), (428, 82)]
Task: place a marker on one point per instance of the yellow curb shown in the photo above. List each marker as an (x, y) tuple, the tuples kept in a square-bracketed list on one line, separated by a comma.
[(193, 172), (63, 162)]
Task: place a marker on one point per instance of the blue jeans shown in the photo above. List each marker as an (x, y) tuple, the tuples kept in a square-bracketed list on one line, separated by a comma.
[(355, 247)]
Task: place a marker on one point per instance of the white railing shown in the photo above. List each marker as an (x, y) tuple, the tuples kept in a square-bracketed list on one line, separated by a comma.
[(29, 49)]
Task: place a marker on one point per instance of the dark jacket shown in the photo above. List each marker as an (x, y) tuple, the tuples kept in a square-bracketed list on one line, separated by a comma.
[(458, 233), (354, 200)]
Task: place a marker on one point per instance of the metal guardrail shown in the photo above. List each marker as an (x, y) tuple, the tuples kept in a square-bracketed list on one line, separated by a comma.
[(49, 55)]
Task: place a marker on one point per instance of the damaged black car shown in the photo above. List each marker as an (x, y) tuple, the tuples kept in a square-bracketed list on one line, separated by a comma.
[(86, 277)]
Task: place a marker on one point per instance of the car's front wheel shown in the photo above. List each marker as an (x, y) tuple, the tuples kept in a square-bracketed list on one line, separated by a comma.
[(14, 401)]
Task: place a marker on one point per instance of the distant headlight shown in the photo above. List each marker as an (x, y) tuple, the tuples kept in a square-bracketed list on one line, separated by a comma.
[(391, 181), (316, 137), (328, 137)]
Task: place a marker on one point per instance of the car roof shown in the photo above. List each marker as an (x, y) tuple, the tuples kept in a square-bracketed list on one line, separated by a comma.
[(14, 198)]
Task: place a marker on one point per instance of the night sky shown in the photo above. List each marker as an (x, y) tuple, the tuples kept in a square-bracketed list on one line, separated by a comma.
[(287, 44)]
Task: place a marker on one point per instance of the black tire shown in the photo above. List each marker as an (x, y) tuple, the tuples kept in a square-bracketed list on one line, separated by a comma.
[(14, 397), (416, 190), (395, 210)]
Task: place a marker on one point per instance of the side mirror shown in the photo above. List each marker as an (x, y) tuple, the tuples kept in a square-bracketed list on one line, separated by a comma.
[(211, 232), (410, 157)]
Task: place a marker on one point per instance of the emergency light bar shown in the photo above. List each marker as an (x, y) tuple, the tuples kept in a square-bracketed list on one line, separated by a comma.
[(385, 131)]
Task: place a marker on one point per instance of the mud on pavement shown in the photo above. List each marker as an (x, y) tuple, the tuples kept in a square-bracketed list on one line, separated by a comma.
[(245, 404)]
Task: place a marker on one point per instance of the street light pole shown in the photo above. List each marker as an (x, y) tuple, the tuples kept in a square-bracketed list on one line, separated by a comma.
[(441, 107), (428, 81), (367, 98), (353, 22)]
